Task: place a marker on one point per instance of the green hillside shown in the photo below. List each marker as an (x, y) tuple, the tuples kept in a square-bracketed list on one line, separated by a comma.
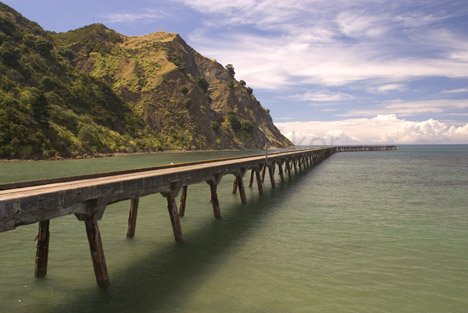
[(49, 109)]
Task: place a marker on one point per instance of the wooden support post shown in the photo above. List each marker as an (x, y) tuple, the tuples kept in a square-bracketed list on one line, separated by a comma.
[(263, 173), (299, 164), (97, 251), (271, 171), (288, 168), (280, 170), (42, 252), (175, 221), (295, 165), (234, 186), (183, 201), (214, 198), (259, 181), (252, 173), (240, 184), (132, 217)]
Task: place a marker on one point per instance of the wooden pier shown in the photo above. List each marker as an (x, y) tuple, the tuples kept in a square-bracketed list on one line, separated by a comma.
[(88, 196)]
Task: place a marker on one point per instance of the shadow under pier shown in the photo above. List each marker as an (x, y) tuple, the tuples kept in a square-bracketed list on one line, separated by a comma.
[(166, 277)]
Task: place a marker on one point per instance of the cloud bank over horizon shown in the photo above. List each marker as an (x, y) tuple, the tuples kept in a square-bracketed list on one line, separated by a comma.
[(381, 129)]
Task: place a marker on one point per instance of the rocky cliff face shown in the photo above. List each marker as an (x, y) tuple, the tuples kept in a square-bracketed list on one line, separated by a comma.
[(93, 90), (192, 102)]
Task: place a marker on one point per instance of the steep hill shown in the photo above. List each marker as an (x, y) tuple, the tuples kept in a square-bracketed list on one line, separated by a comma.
[(94, 90), (190, 100), (48, 109)]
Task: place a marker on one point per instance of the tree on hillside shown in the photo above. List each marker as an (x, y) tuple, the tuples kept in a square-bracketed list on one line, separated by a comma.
[(230, 69), (40, 111)]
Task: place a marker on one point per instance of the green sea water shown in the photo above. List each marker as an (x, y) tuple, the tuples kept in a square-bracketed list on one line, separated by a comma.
[(361, 232)]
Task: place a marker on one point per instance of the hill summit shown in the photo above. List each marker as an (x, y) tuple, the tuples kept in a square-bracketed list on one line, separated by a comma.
[(93, 90)]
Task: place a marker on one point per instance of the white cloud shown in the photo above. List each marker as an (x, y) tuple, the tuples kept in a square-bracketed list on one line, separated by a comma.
[(357, 24), (458, 90), (219, 6), (407, 108), (322, 96), (387, 88), (417, 20), (381, 129), (140, 16)]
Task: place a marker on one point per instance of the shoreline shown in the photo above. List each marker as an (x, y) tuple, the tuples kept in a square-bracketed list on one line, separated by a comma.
[(119, 154)]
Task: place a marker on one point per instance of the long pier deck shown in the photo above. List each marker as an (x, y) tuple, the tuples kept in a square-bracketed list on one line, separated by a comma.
[(87, 196)]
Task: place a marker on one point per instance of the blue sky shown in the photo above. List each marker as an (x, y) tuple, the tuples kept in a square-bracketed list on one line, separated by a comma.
[(345, 71)]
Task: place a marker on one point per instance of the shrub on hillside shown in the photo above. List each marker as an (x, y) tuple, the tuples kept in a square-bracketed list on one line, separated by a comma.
[(43, 47), (230, 69), (215, 126), (233, 121), (246, 126), (9, 54), (203, 84)]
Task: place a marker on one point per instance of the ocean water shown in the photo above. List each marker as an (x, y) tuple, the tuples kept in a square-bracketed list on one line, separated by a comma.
[(361, 232)]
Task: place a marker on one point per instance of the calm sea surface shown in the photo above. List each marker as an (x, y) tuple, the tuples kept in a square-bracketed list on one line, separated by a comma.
[(361, 232)]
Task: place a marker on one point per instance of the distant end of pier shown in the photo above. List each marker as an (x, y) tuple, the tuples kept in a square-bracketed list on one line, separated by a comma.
[(365, 148)]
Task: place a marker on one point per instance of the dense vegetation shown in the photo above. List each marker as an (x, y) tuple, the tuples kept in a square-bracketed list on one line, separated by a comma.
[(48, 109)]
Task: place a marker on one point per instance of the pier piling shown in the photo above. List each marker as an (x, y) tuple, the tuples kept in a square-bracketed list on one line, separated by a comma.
[(259, 181), (271, 172), (214, 196), (132, 217), (183, 201), (280, 171), (252, 175), (174, 215), (42, 252), (97, 251), (234, 186), (288, 168), (240, 185)]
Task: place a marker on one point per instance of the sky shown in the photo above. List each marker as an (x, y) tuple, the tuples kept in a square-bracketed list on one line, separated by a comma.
[(331, 72)]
